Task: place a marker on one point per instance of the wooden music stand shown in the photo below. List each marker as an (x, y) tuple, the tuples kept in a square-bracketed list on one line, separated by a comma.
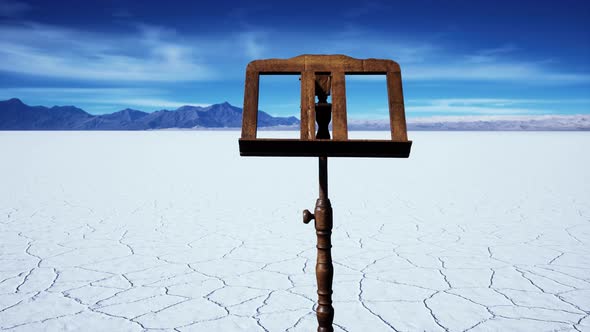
[(321, 76)]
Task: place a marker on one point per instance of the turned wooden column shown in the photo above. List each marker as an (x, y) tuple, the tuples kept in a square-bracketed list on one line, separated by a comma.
[(324, 269)]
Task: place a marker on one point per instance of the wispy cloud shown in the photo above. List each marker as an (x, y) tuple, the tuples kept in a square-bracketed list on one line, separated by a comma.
[(102, 99), (489, 106), (253, 44), (492, 71), (156, 54), (501, 63), (151, 102), (435, 61), (481, 107), (424, 59), (145, 54)]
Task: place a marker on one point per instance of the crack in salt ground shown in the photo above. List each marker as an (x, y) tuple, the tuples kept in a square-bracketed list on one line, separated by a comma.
[(362, 301), (432, 313)]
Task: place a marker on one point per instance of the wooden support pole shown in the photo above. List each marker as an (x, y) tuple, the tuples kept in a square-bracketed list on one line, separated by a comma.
[(324, 269)]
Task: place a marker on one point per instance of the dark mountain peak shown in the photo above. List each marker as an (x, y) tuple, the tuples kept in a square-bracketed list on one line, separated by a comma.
[(190, 108), (13, 101), (224, 107), (131, 111), (225, 104), (127, 114), (68, 111)]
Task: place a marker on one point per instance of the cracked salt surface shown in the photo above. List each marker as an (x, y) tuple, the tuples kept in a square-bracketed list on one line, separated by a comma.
[(132, 231)]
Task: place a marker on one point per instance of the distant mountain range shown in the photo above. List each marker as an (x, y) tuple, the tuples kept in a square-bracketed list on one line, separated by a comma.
[(15, 115)]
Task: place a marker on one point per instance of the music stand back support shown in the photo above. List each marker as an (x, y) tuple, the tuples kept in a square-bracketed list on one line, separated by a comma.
[(312, 67)]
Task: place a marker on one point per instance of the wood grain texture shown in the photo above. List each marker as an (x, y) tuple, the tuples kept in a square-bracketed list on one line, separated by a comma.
[(250, 111), (323, 63), (324, 269), (307, 106), (339, 121), (397, 114)]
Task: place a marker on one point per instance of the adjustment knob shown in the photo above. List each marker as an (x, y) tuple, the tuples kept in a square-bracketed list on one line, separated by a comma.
[(307, 216)]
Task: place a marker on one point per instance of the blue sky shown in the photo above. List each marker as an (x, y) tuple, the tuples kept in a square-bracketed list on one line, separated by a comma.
[(458, 58)]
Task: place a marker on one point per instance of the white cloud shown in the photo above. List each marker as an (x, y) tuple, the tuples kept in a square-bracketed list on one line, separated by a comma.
[(150, 53), (101, 99), (416, 108), (142, 55), (491, 106), (426, 60), (76, 91), (152, 102), (252, 44), (490, 71)]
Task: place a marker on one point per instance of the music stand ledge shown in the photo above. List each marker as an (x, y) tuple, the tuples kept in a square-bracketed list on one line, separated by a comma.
[(271, 147)]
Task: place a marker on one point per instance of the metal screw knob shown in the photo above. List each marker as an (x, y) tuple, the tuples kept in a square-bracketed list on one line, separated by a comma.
[(307, 216)]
